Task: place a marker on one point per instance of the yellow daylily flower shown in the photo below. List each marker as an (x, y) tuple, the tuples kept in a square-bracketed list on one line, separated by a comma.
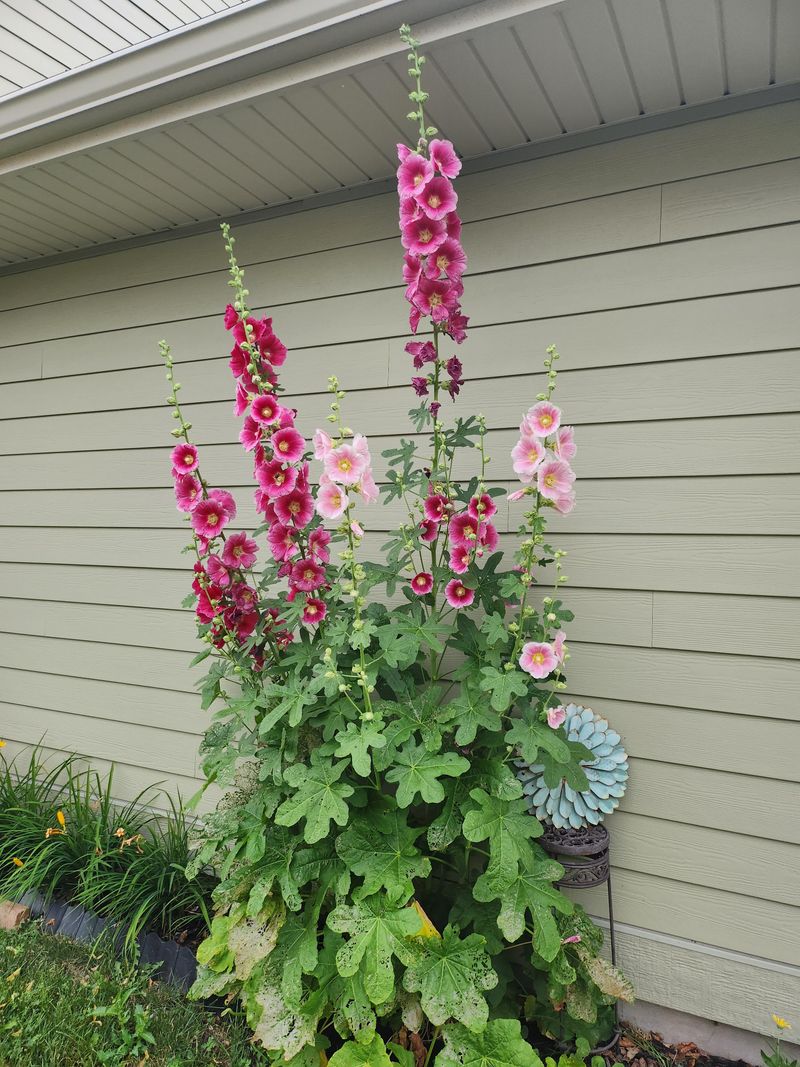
[(781, 1023), (62, 822)]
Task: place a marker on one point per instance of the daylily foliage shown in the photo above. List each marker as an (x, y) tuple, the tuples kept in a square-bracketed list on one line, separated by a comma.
[(382, 890)]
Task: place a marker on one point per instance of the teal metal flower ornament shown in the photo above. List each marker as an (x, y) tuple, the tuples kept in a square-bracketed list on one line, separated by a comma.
[(607, 774)]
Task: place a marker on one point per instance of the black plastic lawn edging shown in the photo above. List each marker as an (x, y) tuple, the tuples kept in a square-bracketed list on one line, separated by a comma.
[(177, 964)]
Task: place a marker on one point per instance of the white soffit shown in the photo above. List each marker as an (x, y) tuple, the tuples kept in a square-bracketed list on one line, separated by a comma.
[(282, 100)]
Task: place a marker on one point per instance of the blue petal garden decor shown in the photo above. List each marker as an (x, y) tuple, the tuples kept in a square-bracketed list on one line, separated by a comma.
[(563, 806)]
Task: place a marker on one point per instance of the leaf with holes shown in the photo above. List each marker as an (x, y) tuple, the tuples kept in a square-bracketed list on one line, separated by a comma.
[(501, 1044), (320, 798), (377, 933), (451, 979), (380, 849)]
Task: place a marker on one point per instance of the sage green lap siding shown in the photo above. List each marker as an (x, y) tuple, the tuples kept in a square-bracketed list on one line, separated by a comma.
[(666, 269)]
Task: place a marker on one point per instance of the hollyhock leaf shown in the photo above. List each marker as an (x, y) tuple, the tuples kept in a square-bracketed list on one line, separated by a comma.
[(427, 631), (381, 850), (508, 826), (495, 628), (356, 741), (354, 1054), (354, 1016), (503, 686), (469, 710), (404, 1057), (446, 827), (495, 777), (292, 700), (377, 932), (451, 977), (571, 772), (399, 650), (501, 1044), (298, 944), (529, 890), (529, 735), (320, 798), (417, 770), (609, 979)]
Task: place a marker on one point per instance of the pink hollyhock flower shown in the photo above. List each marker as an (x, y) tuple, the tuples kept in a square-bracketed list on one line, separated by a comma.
[(436, 298), (413, 174), (422, 235), (344, 465), (184, 459), (318, 541), (558, 645), (286, 418), (265, 409), (414, 315), (422, 583), (538, 659), (564, 504), (322, 444), (217, 572), (420, 386), (555, 717), (295, 508), (239, 551), (403, 152), (275, 479), (457, 594), (444, 158), (453, 223), (554, 479), (307, 575), (289, 445), (209, 518), (437, 198), (250, 434), (409, 210), (518, 494), (428, 530), (482, 507), (449, 258), (457, 326), (223, 497), (543, 419), (314, 611), (231, 317), (187, 492), (460, 559), (357, 529), (527, 454), (436, 507), (282, 543), (573, 940), (564, 445), (412, 268), (331, 499), (463, 530), (422, 351), (244, 597)]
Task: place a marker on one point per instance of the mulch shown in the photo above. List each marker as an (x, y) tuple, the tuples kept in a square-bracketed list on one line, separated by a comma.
[(639, 1049)]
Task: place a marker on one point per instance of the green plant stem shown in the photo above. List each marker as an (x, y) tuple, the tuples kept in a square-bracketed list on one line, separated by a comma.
[(432, 1046)]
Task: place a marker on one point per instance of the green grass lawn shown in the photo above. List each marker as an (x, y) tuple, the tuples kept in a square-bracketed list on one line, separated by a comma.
[(64, 1005)]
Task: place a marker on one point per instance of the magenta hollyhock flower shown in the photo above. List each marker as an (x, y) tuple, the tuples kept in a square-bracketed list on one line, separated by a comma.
[(345, 465), (413, 174), (272, 349), (223, 497), (207, 607), (436, 507), (243, 622), (217, 572), (282, 542), (187, 492), (295, 508), (275, 479), (457, 326), (265, 409), (543, 419), (558, 645), (564, 504), (564, 445), (527, 455), (453, 224), (428, 529), (250, 434), (322, 444), (482, 507), (555, 717), (422, 583), (436, 297), (454, 369), (423, 235), (538, 659), (403, 152), (487, 537), (242, 399), (239, 551), (449, 258), (244, 597), (332, 500), (437, 198), (457, 594), (184, 459), (307, 575), (314, 610), (434, 410), (231, 317), (209, 518), (444, 158), (554, 479), (409, 210), (318, 541), (460, 557), (420, 386), (422, 351), (414, 316), (463, 530), (238, 361), (289, 445), (412, 268)]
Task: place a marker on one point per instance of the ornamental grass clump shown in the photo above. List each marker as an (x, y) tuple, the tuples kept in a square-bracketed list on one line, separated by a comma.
[(383, 899)]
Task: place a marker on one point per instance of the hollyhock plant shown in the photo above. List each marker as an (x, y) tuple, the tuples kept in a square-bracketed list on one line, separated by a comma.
[(368, 712)]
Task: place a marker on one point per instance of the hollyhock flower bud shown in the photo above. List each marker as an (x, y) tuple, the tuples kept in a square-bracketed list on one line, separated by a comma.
[(314, 611), (344, 465), (209, 518), (564, 445), (289, 445), (436, 507), (554, 479), (422, 583), (423, 235), (555, 717), (437, 198), (435, 408), (482, 507), (538, 659), (217, 572), (250, 434), (224, 497), (457, 594), (543, 419), (295, 508), (239, 551), (331, 499), (413, 174), (527, 455), (444, 158), (276, 479), (307, 575), (518, 494), (184, 459), (187, 492)]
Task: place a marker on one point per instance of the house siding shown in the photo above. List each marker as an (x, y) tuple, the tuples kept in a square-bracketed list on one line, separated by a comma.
[(666, 267)]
